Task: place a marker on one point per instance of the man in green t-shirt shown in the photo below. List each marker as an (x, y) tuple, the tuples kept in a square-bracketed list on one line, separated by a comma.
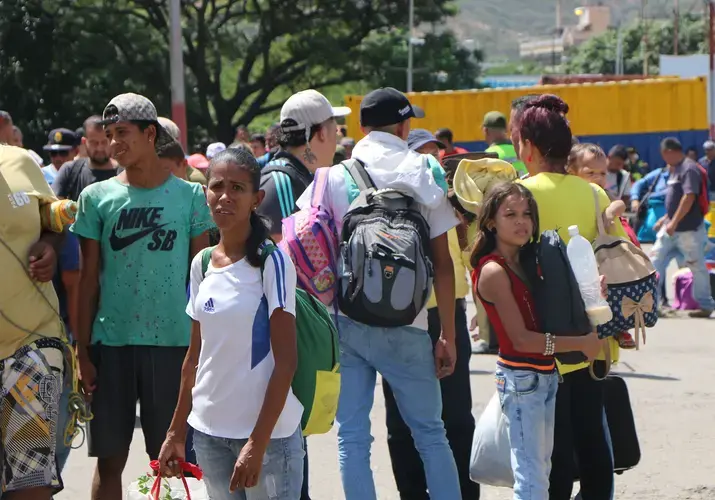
[(495, 133), (138, 232)]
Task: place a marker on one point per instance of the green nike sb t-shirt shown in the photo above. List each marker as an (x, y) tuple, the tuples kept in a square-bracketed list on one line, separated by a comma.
[(145, 237)]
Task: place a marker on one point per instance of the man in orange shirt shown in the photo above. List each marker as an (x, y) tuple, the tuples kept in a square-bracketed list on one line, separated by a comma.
[(445, 136)]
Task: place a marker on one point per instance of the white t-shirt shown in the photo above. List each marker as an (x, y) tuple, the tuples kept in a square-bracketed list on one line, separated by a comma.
[(391, 164), (233, 304)]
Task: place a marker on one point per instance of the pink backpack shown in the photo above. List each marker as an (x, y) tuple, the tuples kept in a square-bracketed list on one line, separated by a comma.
[(309, 237)]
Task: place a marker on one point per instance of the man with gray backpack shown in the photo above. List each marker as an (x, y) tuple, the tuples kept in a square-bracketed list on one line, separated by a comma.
[(391, 212)]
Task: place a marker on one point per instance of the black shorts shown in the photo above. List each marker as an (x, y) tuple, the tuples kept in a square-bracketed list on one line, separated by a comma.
[(125, 375)]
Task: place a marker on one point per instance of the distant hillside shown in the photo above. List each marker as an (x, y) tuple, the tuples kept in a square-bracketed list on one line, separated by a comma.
[(497, 26)]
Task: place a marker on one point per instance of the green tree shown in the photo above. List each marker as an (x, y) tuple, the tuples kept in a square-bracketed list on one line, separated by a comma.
[(598, 55), (440, 63), (61, 60), (57, 68)]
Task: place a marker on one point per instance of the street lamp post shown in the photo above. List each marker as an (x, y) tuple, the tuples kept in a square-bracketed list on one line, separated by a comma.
[(410, 45), (178, 99)]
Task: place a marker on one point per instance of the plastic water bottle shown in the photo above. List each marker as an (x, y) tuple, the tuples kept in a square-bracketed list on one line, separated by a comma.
[(585, 268)]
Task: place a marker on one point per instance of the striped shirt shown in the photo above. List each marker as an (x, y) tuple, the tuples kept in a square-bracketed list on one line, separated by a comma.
[(233, 305), (281, 189)]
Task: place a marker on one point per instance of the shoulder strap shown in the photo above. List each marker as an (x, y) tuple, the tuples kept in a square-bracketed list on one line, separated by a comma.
[(284, 166), (357, 171), (599, 215), (320, 183), (205, 260), (265, 253), (652, 186)]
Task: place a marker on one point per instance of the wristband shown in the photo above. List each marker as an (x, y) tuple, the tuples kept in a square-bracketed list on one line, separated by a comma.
[(550, 345)]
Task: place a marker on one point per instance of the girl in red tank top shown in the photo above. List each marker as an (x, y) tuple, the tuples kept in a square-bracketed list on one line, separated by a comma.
[(526, 377)]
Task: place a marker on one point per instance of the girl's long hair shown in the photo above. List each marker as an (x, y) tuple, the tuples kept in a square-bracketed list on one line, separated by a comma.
[(243, 159), (486, 240)]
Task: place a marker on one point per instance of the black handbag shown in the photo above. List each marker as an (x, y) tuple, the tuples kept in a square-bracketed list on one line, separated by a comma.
[(621, 425)]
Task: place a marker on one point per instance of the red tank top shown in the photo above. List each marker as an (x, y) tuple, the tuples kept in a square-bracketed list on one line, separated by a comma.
[(509, 357)]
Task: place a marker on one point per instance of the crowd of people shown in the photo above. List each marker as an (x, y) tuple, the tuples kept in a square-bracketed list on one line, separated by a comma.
[(209, 351)]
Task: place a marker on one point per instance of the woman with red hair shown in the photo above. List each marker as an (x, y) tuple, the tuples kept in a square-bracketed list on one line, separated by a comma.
[(544, 143)]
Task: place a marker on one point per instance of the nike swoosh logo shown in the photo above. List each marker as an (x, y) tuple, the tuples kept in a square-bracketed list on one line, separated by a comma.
[(118, 243)]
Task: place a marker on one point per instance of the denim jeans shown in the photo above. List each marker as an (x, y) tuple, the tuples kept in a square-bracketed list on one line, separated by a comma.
[(691, 244), (281, 476), (405, 358), (528, 400), (457, 416)]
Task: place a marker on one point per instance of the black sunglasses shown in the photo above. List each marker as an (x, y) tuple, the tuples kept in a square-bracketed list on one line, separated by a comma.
[(59, 153)]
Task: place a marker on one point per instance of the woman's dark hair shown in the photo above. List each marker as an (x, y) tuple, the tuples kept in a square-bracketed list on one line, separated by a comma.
[(542, 122), (486, 240), (244, 160)]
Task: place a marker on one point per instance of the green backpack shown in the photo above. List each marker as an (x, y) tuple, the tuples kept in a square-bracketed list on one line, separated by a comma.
[(316, 382)]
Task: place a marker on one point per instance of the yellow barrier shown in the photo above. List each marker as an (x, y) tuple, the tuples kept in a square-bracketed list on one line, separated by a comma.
[(604, 108)]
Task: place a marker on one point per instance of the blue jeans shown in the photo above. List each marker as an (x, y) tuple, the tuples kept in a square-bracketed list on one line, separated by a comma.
[(691, 244), (528, 400), (281, 476), (405, 358)]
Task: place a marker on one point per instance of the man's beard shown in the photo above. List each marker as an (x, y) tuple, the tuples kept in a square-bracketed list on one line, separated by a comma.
[(99, 160)]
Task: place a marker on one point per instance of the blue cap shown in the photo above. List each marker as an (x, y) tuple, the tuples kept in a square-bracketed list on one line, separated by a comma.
[(419, 137)]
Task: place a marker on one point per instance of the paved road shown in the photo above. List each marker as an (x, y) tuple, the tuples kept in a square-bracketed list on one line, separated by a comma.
[(673, 395)]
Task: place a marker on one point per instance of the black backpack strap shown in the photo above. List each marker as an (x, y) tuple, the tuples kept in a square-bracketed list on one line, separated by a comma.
[(358, 172), (287, 168)]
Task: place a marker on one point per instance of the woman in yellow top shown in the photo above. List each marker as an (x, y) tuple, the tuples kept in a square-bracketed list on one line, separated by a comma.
[(456, 390), (544, 141)]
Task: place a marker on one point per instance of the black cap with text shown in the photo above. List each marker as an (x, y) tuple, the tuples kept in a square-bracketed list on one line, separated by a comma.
[(387, 106)]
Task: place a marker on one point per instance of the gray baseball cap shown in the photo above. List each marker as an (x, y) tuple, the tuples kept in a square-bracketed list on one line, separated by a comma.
[(418, 137), (709, 145), (132, 107)]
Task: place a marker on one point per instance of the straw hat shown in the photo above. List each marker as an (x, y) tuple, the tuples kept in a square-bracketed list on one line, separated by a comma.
[(474, 178)]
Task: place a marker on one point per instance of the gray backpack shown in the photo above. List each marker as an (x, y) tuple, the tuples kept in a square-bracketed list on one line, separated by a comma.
[(385, 268)]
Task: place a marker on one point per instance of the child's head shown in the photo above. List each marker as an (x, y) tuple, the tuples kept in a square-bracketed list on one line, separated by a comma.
[(589, 162), (172, 157), (233, 195), (509, 217)]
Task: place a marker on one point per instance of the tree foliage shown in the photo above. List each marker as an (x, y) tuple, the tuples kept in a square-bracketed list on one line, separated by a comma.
[(440, 63), (61, 60), (598, 55)]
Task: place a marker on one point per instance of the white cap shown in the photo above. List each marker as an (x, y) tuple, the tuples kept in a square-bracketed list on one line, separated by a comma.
[(214, 148), (171, 127), (308, 108), (573, 231), (709, 145)]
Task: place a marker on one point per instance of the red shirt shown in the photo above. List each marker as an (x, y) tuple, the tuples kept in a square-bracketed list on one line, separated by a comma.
[(457, 151), (509, 357)]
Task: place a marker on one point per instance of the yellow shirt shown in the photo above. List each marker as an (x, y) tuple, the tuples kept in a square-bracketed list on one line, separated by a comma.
[(567, 200), (27, 308), (460, 260)]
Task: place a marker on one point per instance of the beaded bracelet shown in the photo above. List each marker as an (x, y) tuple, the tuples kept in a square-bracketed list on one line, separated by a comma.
[(550, 346)]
